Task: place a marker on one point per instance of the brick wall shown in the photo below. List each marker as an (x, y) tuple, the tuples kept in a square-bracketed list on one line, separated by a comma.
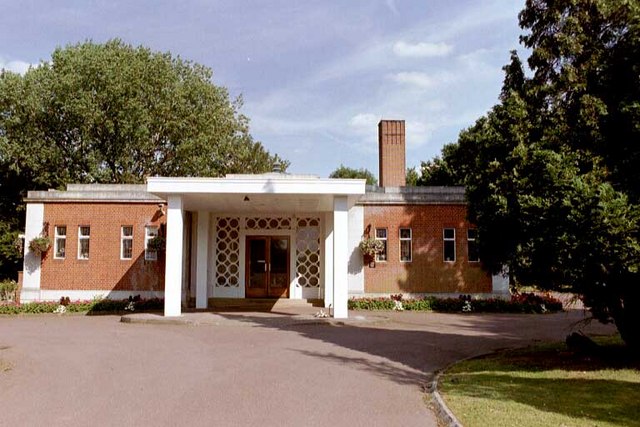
[(427, 272), (104, 270), (391, 151)]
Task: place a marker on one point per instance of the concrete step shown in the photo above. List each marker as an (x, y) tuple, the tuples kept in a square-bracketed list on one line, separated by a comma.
[(262, 304)]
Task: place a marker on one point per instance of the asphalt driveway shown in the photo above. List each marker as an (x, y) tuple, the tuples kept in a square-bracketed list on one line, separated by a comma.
[(253, 370)]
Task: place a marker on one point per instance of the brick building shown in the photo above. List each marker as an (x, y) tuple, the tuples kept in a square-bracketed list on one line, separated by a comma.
[(255, 236)]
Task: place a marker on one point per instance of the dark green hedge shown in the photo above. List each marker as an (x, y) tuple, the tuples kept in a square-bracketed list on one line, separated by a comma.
[(90, 307), (522, 303)]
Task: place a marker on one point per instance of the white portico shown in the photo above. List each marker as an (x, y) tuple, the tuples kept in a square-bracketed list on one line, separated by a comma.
[(272, 235)]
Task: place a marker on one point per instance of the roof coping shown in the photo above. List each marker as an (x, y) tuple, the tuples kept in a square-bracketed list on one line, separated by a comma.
[(412, 195)]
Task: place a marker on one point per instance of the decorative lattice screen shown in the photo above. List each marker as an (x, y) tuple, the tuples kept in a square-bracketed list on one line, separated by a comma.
[(268, 223), (228, 252), (308, 252), (228, 247)]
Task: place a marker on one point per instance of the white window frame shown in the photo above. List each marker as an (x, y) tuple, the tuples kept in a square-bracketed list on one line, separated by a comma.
[(444, 243), (469, 239), (83, 237), (150, 231), (56, 239), (124, 238), (405, 239), (386, 243)]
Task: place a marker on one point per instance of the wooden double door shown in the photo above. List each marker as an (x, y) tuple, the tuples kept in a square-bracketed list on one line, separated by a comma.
[(267, 266)]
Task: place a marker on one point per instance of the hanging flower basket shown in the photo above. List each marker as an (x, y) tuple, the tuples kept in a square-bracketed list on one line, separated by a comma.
[(157, 244), (370, 247), (40, 245)]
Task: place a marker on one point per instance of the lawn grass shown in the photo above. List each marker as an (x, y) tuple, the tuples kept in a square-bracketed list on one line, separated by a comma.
[(546, 385)]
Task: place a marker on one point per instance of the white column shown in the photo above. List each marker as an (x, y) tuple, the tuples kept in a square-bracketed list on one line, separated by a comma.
[(201, 259), (340, 257), (173, 268), (328, 260), (31, 267), (356, 264)]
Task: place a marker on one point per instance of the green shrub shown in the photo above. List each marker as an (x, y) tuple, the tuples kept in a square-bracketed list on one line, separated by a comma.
[(9, 309), (522, 303), (371, 304), (97, 305), (8, 290), (39, 307)]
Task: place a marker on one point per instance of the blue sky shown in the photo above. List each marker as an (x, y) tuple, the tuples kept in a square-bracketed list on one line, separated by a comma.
[(316, 76)]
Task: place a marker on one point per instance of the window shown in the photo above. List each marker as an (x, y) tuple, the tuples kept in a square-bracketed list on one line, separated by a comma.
[(381, 234), (151, 231), (472, 245), (126, 242), (449, 241), (84, 232), (405, 245), (60, 241)]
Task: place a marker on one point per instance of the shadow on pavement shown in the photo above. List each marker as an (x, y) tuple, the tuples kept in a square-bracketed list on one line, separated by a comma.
[(412, 346)]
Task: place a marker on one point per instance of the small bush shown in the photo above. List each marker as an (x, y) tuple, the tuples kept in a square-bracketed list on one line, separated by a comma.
[(522, 303), (371, 304), (8, 290), (91, 307)]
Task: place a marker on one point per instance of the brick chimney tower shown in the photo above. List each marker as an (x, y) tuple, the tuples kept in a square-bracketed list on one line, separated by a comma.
[(391, 151)]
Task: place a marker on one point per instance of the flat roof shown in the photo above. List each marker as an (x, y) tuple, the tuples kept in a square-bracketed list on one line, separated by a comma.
[(95, 193), (274, 183), (305, 187), (430, 195)]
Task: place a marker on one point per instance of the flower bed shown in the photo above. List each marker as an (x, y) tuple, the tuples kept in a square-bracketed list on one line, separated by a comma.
[(91, 307), (521, 303)]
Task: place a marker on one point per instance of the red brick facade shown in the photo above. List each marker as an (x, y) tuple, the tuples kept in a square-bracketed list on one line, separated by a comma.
[(104, 269), (391, 146), (427, 272)]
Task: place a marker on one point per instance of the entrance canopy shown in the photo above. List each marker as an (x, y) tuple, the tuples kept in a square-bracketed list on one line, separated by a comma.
[(241, 195), (265, 193)]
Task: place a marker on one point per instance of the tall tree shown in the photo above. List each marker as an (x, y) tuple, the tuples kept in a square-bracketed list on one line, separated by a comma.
[(114, 113), (441, 170), (551, 171), (412, 177), (362, 173)]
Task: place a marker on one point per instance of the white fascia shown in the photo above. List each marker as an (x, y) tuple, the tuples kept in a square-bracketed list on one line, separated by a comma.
[(255, 185)]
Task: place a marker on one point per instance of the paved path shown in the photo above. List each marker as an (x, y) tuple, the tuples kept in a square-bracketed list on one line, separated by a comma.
[(251, 370)]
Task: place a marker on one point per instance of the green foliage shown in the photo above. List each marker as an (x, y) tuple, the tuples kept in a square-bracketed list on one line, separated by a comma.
[(114, 113), (96, 306), (158, 243), (370, 246), (345, 172), (412, 177), (8, 290), (441, 171), (371, 304), (10, 243), (40, 244), (551, 172), (522, 303)]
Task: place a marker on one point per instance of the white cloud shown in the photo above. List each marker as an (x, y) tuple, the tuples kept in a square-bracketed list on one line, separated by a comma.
[(363, 121), (422, 49), (19, 67), (436, 98), (414, 78)]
